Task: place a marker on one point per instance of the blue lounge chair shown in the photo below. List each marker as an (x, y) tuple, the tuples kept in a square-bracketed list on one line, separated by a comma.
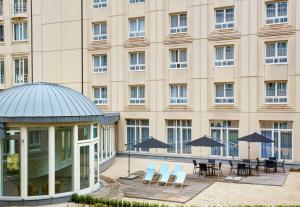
[(178, 168), (148, 177), (180, 178), (151, 166), (164, 178), (163, 168)]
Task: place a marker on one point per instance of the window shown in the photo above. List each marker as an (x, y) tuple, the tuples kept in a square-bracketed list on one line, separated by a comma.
[(276, 12), (100, 31), (276, 53), (137, 27), (20, 31), (99, 3), (84, 132), (21, 70), (178, 94), (276, 92), (224, 56), (178, 59), (281, 134), (137, 131), (100, 95), (106, 143), (95, 130), (99, 63), (137, 61), (178, 23), (1, 31), (1, 71), (227, 133), (19, 6), (137, 94), (179, 132), (224, 93), (34, 141), (136, 1), (1, 7), (224, 18)]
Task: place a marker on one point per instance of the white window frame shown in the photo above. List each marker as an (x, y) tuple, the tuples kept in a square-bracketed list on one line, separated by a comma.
[(224, 62), (225, 24), (138, 99), (277, 19), (225, 99), (99, 36), (2, 71), (24, 77), (179, 127), (101, 68), (276, 59), (178, 64), (3, 31), (179, 28), (276, 99), (100, 4), (178, 100), (138, 126), (137, 33), (21, 36), (135, 1), (101, 100), (139, 66), (20, 7), (224, 129)]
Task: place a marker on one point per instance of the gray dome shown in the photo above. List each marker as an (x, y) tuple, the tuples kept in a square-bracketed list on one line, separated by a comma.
[(46, 102)]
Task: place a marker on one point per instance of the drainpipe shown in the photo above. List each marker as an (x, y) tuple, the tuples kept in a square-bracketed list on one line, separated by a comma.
[(82, 46), (31, 40)]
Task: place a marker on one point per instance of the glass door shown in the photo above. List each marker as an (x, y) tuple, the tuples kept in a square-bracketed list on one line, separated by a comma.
[(84, 166)]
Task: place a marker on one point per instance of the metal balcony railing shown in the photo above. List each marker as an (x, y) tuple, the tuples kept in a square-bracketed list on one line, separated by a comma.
[(19, 8)]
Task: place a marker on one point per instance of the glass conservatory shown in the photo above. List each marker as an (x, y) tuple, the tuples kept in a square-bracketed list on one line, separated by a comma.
[(52, 142)]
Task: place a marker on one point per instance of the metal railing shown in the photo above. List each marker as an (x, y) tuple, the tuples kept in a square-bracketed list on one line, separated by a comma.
[(19, 8)]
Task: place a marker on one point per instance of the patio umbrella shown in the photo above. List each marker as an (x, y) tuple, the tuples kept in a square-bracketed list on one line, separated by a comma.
[(204, 142), (152, 143), (254, 137)]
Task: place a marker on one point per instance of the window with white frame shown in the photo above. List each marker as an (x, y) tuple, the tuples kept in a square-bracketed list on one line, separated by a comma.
[(137, 94), (100, 95), (137, 132), (137, 61), (1, 32), (20, 31), (224, 56), (281, 132), (178, 23), (99, 31), (224, 93), (136, 1), (137, 27), (224, 18), (19, 6), (277, 12), (178, 94), (1, 7), (178, 59), (227, 133), (100, 63), (21, 70), (276, 52), (99, 3), (1, 71), (179, 132), (276, 92)]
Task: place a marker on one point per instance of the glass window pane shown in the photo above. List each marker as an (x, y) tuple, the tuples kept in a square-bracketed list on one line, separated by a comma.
[(219, 53), (84, 132), (282, 8), (141, 58), (133, 58), (270, 50), (271, 10), (183, 20), (38, 160), (174, 21), (270, 89), (183, 56), (230, 15), (84, 167), (219, 16)]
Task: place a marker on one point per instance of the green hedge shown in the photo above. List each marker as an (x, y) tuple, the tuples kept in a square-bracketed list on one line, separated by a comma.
[(99, 202)]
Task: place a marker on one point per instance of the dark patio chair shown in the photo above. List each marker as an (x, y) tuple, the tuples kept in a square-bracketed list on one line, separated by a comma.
[(282, 166), (246, 161), (195, 166), (203, 168), (273, 158), (242, 169), (219, 170), (232, 168), (270, 165), (256, 168), (211, 161)]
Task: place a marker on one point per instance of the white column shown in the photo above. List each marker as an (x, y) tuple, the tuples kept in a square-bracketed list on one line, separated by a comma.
[(1, 170), (76, 157), (24, 162), (12, 146), (113, 138), (91, 156), (51, 148)]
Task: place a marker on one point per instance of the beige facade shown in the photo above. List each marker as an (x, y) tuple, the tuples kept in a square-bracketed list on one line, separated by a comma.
[(229, 67)]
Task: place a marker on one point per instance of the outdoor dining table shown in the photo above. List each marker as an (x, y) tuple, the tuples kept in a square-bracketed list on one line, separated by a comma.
[(210, 167), (248, 167)]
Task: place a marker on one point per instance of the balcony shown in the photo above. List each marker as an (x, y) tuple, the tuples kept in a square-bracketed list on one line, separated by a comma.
[(19, 10)]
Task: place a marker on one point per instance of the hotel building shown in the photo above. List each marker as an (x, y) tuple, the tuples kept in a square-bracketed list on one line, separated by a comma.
[(174, 69)]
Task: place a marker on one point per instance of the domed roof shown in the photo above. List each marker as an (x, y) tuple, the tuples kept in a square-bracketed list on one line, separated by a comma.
[(46, 102)]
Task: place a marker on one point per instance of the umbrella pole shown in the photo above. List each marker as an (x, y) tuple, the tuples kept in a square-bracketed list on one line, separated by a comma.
[(249, 150)]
